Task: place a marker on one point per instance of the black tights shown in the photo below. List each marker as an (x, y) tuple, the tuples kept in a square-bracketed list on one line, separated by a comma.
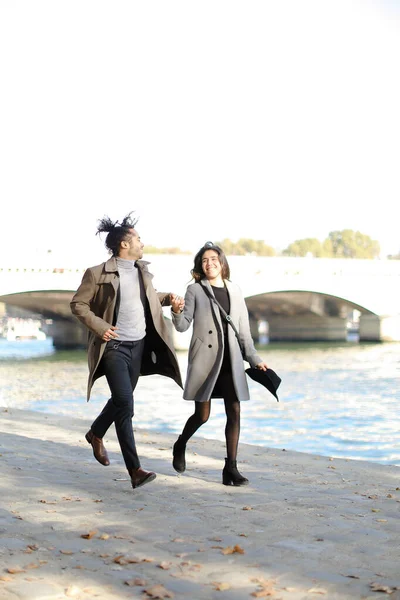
[(232, 411)]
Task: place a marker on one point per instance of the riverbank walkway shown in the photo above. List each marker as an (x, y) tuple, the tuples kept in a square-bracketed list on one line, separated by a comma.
[(307, 527)]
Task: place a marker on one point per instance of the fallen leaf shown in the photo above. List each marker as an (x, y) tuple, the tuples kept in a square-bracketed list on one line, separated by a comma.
[(317, 591), (88, 536), (5, 578), (247, 508), (378, 587), (221, 586), (14, 570), (158, 591), (32, 566), (104, 536), (66, 552), (165, 565), (381, 520), (233, 550)]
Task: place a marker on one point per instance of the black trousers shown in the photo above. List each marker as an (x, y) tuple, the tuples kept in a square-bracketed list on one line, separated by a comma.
[(121, 363)]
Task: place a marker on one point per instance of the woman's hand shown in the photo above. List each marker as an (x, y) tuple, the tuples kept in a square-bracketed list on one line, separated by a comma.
[(262, 366), (177, 303)]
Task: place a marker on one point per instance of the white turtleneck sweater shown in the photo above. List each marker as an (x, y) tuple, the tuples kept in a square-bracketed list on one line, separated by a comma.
[(131, 322)]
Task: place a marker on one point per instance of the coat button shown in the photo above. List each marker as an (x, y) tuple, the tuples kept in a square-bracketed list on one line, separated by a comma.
[(210, 345), (210, 331)]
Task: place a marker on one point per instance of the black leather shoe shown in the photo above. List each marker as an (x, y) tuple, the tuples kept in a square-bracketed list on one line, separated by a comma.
[(178, 451), (99, 451), (140, 477)]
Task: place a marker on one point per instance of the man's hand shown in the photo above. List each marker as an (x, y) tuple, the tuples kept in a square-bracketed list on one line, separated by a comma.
[(110, 334), (177, 303)]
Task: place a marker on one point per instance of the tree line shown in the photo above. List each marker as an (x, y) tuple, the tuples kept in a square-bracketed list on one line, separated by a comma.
[(339, 244)]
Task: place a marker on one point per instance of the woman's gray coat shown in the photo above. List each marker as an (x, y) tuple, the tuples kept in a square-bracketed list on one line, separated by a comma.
[(206, 348)]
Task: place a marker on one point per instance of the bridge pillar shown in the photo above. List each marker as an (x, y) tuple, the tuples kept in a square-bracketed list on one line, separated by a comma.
[(307, 328), (68, 335), (373, 328), (254, 324)]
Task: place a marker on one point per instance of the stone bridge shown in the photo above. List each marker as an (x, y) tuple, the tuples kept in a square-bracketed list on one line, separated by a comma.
[(300, 298)]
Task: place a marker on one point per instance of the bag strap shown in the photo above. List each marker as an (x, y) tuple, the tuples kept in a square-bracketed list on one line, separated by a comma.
[(225, 315)]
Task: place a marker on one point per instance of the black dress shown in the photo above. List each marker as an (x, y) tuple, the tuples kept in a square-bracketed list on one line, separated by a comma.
[(222, 296)]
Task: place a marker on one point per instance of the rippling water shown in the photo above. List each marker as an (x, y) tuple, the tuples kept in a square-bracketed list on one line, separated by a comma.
[(337, 400)]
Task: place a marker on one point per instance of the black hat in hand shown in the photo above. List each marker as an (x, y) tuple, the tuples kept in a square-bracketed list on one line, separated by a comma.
[(268, 379)]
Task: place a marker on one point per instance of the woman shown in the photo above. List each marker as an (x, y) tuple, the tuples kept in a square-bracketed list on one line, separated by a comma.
[(215, 362)]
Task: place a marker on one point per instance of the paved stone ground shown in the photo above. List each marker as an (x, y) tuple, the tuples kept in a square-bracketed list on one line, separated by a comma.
[(306, 527)]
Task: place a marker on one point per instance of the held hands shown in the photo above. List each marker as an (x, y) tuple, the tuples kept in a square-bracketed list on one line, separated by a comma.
[(262, 366), (177, 303), (110, 334)]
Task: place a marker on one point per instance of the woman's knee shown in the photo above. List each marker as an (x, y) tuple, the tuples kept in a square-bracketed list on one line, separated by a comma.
[(202, 412), (233, 412)]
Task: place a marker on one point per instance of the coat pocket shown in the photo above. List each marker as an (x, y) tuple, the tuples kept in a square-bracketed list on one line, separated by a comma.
[(194, 348)]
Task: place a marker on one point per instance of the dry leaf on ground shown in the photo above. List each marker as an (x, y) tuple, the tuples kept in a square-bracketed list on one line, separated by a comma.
[(233, 550), (221, 586), (379, 587), (89, 535), (158, 591), (14, 570)]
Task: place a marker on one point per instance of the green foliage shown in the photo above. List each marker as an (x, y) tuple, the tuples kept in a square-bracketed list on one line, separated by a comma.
[(306, 247), (353, 244), (246, 246), (339, 244)]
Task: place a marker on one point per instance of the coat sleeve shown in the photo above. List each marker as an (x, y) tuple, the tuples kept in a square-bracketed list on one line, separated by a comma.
[(245, 335), (81, 305), (164, 298), (183, 320)]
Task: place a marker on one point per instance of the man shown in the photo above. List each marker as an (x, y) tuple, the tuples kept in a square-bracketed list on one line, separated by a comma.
[(127, 337)]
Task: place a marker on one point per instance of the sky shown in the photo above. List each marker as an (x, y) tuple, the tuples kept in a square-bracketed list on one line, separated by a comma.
[(217, 119)]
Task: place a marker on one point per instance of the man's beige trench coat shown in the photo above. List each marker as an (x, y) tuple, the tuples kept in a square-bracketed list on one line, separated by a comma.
[(206, 348), (94, 305)]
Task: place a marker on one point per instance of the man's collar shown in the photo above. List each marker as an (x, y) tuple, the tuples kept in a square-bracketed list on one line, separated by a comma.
[(111, 264)]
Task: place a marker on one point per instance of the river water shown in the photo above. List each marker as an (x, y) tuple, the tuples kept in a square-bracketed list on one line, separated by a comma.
[(339, 400)]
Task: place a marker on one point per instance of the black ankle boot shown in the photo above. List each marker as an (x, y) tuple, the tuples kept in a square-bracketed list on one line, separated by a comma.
[(230, 474), (179, 462)]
